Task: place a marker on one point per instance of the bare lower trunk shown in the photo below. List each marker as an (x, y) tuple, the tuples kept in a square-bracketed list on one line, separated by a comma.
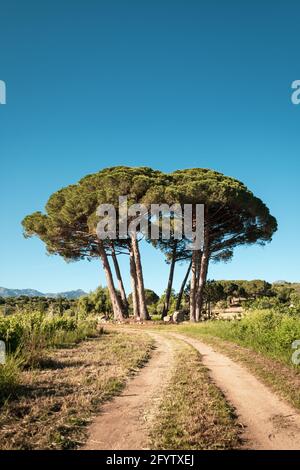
[(179, 298), (193, 287), (120, 280), (135, 299), (199, 257), (144, 315), (170, 282), (200, 290), (198, 267), (115, 300), (202, 275)]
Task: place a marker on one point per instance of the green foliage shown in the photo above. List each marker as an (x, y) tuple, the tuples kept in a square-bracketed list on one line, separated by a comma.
[(246, 289), (9, 376), (68, 227), (20, 329), (233, 215), (151, 297), (267, 331), (151, 301), (264, 303), (256, 294), (26, 337), (172, 305), (25, 304), (97, 302)]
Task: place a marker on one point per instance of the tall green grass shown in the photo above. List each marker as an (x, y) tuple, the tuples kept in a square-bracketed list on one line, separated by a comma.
[(28, 335), (265, 331), (19, 329), (9, 376)]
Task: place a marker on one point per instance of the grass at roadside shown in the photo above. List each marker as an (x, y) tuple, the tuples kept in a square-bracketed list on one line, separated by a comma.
[(271, 363), (27, 338), (265, 331), (193, 414), (10, 376), (56, 401)]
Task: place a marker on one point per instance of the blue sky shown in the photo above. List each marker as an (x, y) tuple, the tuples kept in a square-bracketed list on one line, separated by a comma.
[(167, 84)]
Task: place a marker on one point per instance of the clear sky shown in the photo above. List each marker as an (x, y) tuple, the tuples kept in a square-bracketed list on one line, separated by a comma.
[(163, 83)]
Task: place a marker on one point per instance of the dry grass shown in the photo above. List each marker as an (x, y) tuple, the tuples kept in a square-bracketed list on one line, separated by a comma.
[(57, 401), (194, 414)]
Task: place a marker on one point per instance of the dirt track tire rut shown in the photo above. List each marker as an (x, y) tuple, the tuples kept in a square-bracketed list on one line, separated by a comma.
[(269, 423), (124, 421)]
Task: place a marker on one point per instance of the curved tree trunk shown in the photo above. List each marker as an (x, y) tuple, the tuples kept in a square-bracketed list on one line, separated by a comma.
[(120, 280), (135, 299), (144, 315), (115, 300), (179, 298), (170, 282)]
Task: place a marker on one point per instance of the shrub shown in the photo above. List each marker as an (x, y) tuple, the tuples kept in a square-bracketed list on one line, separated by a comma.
[(9, 376), (266, 331), (36, 330)]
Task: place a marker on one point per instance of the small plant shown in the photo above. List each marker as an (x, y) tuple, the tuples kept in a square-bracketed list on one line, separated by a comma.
[(9, 376)]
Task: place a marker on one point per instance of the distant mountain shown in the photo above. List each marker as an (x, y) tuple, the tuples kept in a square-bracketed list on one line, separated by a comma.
[(73, 294)]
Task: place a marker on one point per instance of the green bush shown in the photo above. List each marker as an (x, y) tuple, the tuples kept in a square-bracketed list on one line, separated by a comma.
[(9, 376), (267, 331), (20, 330), (27, 336), (290, 307)]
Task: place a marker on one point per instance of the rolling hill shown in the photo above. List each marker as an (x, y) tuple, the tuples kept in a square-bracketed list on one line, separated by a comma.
[(73, 294)]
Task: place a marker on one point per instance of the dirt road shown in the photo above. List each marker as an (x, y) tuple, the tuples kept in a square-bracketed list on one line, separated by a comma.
[(124, 421), (268, 422)]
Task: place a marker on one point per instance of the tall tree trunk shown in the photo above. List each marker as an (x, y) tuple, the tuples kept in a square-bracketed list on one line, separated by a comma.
[(199, 255), (198, 267), (115, 300), (179, 298), (133, 276), (170, 282), (119, 279), (193, 287), (144, 315), (203, 274)]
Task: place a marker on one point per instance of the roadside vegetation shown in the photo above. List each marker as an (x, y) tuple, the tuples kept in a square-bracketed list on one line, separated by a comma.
[(27, 338), (261, 341), (265, 331), (54, 402)]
